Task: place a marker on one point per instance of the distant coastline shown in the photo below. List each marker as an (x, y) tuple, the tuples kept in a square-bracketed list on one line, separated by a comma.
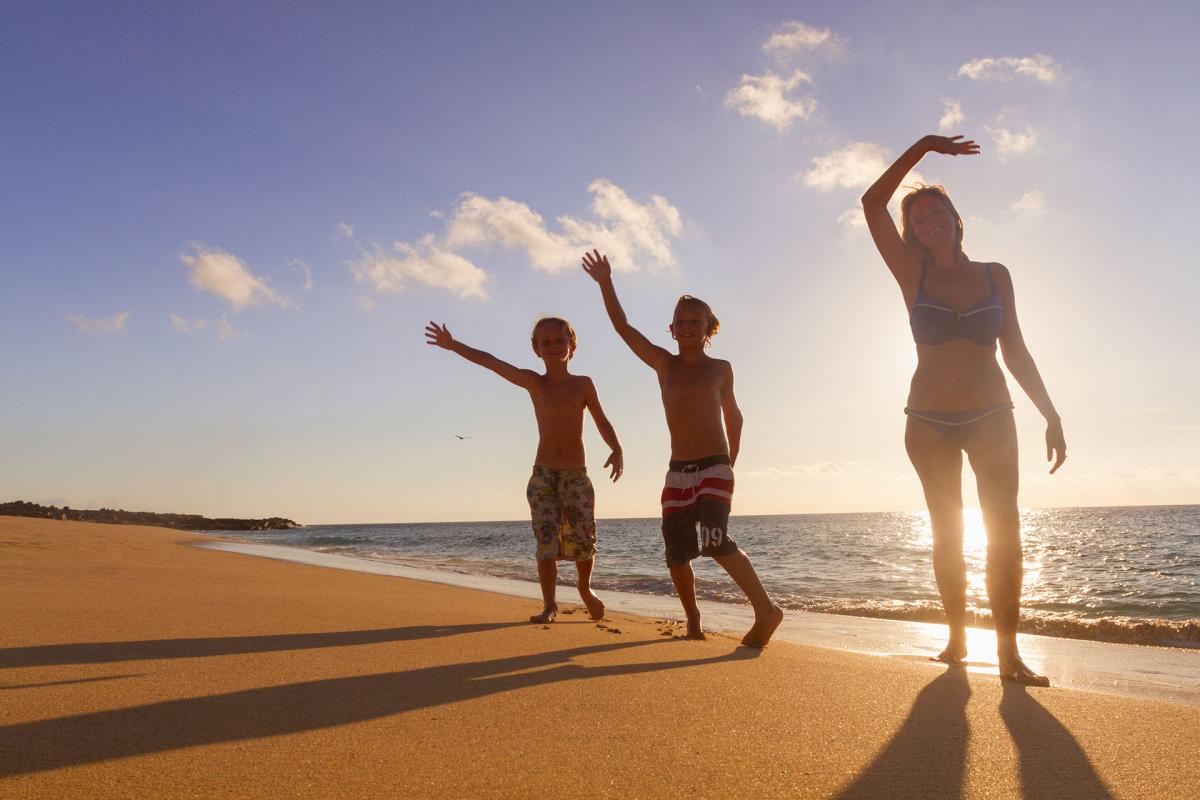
[(184, 522)]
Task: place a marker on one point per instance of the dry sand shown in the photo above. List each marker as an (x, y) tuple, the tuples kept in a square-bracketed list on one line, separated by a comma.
[(132, 665)]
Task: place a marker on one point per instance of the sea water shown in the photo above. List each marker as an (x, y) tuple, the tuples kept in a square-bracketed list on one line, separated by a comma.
[(1121, 574)]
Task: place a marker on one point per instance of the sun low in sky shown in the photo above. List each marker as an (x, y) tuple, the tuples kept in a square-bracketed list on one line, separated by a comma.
[(227, 227)]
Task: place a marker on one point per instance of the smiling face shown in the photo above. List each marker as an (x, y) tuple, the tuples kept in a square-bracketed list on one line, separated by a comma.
[(693, 323), (929, 221), (553, 339)]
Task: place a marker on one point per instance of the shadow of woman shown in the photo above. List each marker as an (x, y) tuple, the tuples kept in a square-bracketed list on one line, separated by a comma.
[(292, 708), (1052, 763), (927, 757), (107, 652)]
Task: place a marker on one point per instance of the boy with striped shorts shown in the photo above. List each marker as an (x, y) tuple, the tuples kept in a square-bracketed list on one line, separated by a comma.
[(697, 394)]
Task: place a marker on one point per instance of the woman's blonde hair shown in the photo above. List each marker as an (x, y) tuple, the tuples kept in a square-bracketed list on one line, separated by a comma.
[(909, 234), (552, 321)]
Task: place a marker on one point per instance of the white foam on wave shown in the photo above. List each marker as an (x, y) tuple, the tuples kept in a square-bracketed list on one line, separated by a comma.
[(1159, 673)]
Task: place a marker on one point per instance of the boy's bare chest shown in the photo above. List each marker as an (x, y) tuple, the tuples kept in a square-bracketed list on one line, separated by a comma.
[(559, 395), (682, 380)]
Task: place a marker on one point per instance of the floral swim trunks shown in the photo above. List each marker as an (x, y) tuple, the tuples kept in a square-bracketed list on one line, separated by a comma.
[(563, 506)]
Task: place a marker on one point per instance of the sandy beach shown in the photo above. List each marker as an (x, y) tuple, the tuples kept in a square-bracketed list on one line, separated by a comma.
[(135, 665)]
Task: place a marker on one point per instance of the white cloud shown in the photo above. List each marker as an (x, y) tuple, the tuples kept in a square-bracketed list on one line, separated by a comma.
[(427, 265), (853, 218), (627, 230), (480, 221), (184, 326), (1040, 67), (1009, 143), (343, 231), (952, 115), (1033, 202), (224, 274), (303, 266), (366, 303), (113, 324), (766, 97), (632, 234), (855, 166), (227, 332), (794, 36)]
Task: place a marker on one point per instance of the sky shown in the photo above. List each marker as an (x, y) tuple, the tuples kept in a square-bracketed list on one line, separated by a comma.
[(227, 224)]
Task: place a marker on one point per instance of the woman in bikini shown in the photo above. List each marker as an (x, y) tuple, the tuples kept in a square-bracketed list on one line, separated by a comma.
[(958, 402)]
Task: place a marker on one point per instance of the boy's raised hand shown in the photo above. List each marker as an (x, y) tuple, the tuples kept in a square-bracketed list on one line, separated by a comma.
[(438, 335), (597, 266)]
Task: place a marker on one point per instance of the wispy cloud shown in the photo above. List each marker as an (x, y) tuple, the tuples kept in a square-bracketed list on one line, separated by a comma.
[(343, 231), (1040, 67), (766, 97), (854, 166), (822, 469), (425, 264), (224, 274), (792, 37), (305, 269), (1032, 202), (634, 235), (227, 332), (952, 114), (99, 325), (184, 325), (1009, 143)]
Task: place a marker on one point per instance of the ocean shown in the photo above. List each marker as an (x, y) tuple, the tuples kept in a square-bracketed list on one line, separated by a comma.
[(1120, 574)]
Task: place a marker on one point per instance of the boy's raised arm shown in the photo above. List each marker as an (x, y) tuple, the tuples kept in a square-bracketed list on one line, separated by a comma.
[(617, 460), (598, 267), (439, 336)]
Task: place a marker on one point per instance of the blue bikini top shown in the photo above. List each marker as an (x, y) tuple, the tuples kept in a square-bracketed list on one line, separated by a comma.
[(933, 321)]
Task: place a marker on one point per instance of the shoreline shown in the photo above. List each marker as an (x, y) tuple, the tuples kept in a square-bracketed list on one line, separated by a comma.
[(1150, 671), (134, 664)]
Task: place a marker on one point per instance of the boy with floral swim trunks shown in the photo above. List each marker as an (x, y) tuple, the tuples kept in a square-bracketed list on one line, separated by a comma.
[(697, 394), (561, 500)]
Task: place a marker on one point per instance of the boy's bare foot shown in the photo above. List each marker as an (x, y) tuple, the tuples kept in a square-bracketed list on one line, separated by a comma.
[(1014, 669), (547, 616), (954, 654), (761, 632), (595, 605), (694, 631)]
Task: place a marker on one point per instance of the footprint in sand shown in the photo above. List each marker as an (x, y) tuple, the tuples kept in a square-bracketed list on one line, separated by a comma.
[(614, 630)]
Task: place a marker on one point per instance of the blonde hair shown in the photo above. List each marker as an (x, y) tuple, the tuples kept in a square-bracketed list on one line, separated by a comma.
[(909, 234), (553, 321), (712, 324)]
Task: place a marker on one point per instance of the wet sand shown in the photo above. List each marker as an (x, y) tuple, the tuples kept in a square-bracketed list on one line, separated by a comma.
[(133, 665)]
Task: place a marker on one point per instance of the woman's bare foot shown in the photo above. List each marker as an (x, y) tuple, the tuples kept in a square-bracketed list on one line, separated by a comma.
[(694, 631), (1014, 669), (954, 654), (595, 605), (761, 632), (547, 616)]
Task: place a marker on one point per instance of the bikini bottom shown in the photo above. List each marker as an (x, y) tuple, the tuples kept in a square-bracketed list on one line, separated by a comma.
[(957, 425)]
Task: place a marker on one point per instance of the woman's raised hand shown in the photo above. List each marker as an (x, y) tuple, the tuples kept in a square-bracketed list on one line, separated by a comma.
[(951, 146)]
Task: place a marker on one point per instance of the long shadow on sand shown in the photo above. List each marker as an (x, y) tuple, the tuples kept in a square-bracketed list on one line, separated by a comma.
[(312, 705), (927, 757), (106, 652), (1053, 765)]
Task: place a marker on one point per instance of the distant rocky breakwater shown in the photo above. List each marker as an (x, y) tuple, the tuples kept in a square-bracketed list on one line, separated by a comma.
[(183, 522)]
